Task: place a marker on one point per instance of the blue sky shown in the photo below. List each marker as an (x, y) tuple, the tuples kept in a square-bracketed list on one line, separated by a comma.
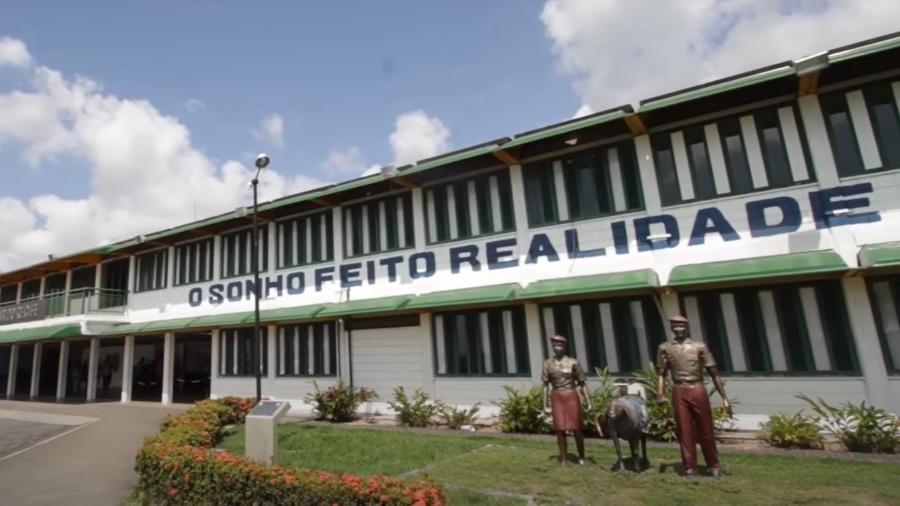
[(122, 118), (337, 72)]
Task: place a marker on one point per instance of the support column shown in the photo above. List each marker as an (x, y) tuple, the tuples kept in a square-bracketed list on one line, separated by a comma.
[(13, 368), (213, 362), (63, 370), (217, 254), (343, 353), (520, 207), (418, 203), (868, 347), (170, 267), (271, 352), (428, 377), (168, 367), (535, 340), (272, 257), (127, 369), (132, 274), (817, 138), (36, 370), (93, 361), (337, 227)]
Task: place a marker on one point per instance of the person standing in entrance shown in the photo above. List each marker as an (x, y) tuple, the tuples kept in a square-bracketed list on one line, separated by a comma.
[(685, 359), (564, 384)]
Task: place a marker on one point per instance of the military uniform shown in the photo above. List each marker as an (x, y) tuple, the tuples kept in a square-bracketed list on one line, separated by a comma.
[(564, 376), (686, 361)]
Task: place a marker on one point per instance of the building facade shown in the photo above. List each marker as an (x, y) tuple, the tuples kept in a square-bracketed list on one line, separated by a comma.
[(764, 207)]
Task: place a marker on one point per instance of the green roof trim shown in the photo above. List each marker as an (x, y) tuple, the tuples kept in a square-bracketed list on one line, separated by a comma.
[(812, 262), (222, 320), (124, 329), (564, 128), (450, 158), (718, 87), (378, 305), (880, 255), (290, 313), (36, 333), (480, 295), (614, 281), (863, 50), (175, 324)]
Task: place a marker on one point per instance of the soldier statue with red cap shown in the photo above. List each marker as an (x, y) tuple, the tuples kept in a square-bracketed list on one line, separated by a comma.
[(686, 359), (564, 385)]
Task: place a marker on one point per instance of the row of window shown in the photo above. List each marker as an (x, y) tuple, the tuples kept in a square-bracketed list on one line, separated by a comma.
[(781, 329), (736, 154)]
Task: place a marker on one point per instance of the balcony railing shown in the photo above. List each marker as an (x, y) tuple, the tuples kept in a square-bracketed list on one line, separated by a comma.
[(74, 302)]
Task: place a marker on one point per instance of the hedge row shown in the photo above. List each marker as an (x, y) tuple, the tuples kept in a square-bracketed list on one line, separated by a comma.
[(179, 466)]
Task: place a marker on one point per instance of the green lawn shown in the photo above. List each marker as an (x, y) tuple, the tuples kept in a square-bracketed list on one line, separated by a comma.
[(500, 471)]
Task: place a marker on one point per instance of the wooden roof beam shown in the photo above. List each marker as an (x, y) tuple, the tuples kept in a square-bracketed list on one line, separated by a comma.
[(635, 124), (506, 157), (807, 84), (406, 183)]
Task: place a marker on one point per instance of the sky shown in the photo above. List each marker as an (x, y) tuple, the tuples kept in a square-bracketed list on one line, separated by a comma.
[(123, 118)]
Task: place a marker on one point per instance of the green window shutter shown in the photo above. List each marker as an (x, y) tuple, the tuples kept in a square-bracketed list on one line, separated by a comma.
[(698, 158), (836, 325), (631, 176), (736, 162), (885, 122), (410, 233), (461, 202), (485, 216), (390, 207), (841, 134), (506, 201), (750, 320), (774, 151), (666, 176)]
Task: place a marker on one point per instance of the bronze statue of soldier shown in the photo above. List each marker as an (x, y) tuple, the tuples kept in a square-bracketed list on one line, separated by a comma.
[(686, 359), (564, 386)]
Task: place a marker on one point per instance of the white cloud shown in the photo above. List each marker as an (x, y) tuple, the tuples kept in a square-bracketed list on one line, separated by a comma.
[(343, 161), (417, 136), (584, 110), (194, 105), (623, 51), (14, 53), (145, 175), (271, 130)]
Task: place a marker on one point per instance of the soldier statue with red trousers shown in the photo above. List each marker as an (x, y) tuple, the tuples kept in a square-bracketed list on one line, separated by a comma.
[(686, 359)]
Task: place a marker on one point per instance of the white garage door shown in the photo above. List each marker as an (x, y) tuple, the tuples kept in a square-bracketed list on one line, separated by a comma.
[(382, 359)]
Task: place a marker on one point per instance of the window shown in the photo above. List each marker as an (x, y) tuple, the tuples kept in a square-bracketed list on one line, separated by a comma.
[(470, 207), (619, 334), (9, 293), (307, 350), (151, 270), (882, 103), (884, 292), (730, 156), (237, 252), (114, 281), (778, 329), (377, 226), (31, 289), (595, 183), (305, 240), (236, 352), (194, 262), (864, 127), (490, 342)]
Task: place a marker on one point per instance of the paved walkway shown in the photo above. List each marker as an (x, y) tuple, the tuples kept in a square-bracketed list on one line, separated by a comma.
[(91, 463)]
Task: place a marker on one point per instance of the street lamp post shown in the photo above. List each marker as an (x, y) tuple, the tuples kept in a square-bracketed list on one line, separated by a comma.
[(262, 161)]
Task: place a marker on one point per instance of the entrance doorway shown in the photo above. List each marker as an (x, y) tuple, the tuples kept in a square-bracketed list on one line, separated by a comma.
[(109, 369), (192, 367), (49, 370), (147, 369), (24, 365), (77, 370)]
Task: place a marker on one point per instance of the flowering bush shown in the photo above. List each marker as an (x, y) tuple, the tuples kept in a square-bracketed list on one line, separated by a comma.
[(178, 467), (338, 403)]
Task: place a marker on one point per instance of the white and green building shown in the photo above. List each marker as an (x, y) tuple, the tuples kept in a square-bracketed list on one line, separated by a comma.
[(765, 207)]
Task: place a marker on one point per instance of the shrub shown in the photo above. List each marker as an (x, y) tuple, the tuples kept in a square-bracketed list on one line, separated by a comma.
[(415, 411), (455, 418), (600, 399), (861, 428), (177, 467), (523, 411), (338, 403), (791, 431)]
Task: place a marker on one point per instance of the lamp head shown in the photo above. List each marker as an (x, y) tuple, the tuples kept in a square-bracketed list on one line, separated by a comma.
[(262, 161)]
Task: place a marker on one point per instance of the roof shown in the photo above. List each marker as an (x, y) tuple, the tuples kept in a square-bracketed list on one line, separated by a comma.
[(793, 264)]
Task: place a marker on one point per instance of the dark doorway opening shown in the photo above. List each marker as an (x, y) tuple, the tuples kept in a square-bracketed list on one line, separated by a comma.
[(192, 367), (109, 369), (147, 369), (49, 370), (77, 370), (24, 365), (5, 352)]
